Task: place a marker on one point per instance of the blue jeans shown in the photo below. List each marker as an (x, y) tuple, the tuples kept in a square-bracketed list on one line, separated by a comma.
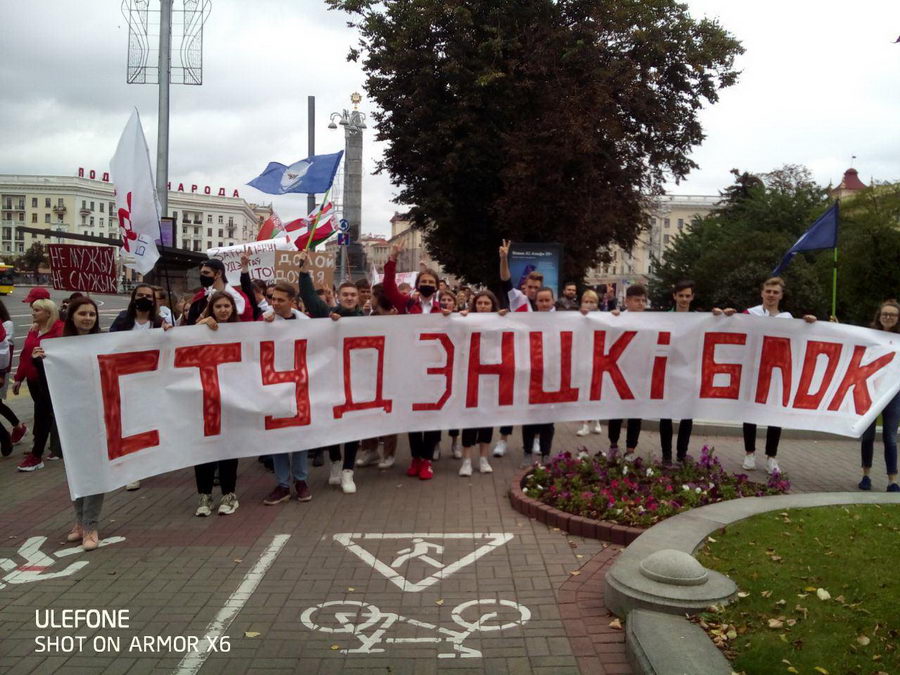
[(890, 420), (286, 464)]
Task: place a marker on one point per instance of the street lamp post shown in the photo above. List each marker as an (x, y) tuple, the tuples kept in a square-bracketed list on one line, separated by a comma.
[(354, 122)]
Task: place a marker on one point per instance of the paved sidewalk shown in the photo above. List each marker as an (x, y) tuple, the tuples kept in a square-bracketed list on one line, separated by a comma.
[(184, 576)]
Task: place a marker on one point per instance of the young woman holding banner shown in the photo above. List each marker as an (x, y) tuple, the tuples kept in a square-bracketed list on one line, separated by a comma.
[(221, 308), (590, 302), (887, 318), (484, 301), (421, 443), (82, 319)]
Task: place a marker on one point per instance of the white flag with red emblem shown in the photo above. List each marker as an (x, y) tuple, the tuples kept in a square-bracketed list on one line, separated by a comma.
[(136, 200)]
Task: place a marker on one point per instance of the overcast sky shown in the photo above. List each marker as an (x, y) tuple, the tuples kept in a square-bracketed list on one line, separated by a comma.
[(820, 82)]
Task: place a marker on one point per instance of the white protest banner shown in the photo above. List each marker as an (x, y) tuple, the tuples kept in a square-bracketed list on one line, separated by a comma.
[(399, 278), (136, 200), (135, 404), (262, 258)]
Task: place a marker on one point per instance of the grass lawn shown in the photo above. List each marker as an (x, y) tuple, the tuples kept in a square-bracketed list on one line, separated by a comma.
[(819, 591)]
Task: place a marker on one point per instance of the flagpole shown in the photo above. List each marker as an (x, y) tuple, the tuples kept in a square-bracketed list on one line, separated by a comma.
[(315, 223), (837, 218)]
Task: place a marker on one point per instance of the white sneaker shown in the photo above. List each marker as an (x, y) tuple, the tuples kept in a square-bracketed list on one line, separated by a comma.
[(500, 448), (484, 466), (597, 428), (228, 505), (369, 457), (204, 508), (335, 477), (347, 485), (436, 455), (136, 485), (536, 447), (455, 448), (466, 468), (386, 463), (584, 430), (772, 465), (629, 456), (749, 462)]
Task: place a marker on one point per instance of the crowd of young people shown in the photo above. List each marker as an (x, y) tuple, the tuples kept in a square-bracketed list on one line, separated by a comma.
[(218, 302)]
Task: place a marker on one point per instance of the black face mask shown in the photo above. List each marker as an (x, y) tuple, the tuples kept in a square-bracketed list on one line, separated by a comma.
[(206, 282), (426, 291), (143, 304)]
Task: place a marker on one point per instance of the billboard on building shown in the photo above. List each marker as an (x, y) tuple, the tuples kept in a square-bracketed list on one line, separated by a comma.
[(545, 258)]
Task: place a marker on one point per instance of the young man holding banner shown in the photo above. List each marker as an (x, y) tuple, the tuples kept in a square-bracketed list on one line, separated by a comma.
[(212, 279), (772, 293)]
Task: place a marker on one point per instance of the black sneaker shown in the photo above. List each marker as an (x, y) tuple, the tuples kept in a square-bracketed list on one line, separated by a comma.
[(865, 483)]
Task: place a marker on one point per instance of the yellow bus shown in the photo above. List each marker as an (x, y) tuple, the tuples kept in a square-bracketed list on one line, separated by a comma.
[(6, 279)]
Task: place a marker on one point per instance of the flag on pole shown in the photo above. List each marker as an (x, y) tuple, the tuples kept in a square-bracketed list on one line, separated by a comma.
[(273, 227), (317, 227), (137, 203), (313, 175), (821, 234)]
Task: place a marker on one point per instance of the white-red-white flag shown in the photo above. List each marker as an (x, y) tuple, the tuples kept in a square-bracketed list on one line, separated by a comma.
[(136, 200)]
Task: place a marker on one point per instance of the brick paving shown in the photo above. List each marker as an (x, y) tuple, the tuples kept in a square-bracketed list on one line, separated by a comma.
[(175, 572)]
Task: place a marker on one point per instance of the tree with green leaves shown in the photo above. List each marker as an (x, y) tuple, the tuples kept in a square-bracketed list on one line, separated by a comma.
[(732, 250), (34, 257), (536, 120)]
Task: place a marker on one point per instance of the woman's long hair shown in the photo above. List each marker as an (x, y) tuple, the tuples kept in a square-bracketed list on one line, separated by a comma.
[(131, 312), (219, 295), (495, 304), (876, 322), (69, 326), (4, 313)]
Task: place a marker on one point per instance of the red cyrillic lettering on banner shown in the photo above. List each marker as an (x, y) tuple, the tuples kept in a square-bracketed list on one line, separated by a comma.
[(207, 190), (112, 367), (536, 392), (371, 342), (446, 370), (856, 378), (776, 353), (221, 192), (208, 358), (505, 370), (81, 172), (803, 399), (299, 376), (608, 363), (709, 367), (658, 376)]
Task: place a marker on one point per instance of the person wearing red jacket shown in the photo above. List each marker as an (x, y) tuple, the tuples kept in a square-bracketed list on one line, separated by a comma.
[(423, 301), (46, 325)]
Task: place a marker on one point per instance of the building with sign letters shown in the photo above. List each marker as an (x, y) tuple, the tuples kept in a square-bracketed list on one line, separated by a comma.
[(205, 217)]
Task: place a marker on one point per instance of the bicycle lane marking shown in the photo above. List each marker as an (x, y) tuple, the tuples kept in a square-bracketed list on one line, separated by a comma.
[(193, 661)]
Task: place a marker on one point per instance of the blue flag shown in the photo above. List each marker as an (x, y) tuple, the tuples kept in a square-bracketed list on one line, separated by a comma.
[(313, 175), (821, 234)]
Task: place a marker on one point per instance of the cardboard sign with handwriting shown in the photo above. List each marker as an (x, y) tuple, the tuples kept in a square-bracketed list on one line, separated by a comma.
[(320, 266)]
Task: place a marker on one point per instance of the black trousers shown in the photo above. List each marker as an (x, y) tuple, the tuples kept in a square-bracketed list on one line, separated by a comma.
[(44, 424), (542, 431), (227, 476), (7, 412), (505, 431), (632, 433), (350, 450), (472, 437), (773, 436), (684, 438), (422, 443)]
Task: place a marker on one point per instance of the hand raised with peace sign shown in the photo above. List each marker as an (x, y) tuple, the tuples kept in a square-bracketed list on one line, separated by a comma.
[(504, 248)]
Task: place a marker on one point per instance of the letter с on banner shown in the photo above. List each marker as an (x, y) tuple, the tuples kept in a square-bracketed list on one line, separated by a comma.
[(293, 385)]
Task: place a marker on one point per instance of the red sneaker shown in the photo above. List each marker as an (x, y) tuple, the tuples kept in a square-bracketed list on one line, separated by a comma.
[(278, 495), (425, 470), (302, 489), (414, 468), (31, 463), (18, 433)]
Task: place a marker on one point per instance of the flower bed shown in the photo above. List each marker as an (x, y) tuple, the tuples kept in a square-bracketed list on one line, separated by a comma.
[(640, 493)]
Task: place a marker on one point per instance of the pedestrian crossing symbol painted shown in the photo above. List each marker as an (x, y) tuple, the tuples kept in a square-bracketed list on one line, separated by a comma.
[(399, 556)]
